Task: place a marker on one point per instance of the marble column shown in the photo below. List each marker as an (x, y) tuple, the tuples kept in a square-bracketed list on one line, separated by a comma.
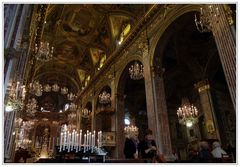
[(156, 107), (226, 45), (211, 127), (120, 137)]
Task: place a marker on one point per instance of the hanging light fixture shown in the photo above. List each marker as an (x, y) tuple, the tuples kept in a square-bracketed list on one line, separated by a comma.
[(71, 96), (130, 130), (16, 96), (72, 116), (187, 113), (85, 112), (136, 71), (31, 106), (43, 52), (36, 88), (104, 97), (206, 18)]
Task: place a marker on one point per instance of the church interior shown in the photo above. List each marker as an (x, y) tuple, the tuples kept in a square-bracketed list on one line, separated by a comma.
[(81, 79)]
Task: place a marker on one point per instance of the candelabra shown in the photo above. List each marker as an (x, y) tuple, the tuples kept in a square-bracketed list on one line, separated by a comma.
[(206, 18), (136, 71), (187, 114), (104, 98), (75, 140)]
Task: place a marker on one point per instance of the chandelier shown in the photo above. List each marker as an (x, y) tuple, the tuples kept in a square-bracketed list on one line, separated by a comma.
[(136, 71), (64, 90), (206, 18), (72, 116), (43, 52), (85, 112), (71, 96), (104, 97), (72, 107), (47, 88), (31, 107), (130, 131), (187, 113), (16, 96), (36, 88)]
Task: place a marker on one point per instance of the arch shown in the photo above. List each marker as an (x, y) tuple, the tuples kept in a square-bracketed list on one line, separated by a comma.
[(171, 17)]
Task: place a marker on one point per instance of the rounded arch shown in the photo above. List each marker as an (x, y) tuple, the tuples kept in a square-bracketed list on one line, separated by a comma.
[(171, 17), (125, 65), (106, 91)]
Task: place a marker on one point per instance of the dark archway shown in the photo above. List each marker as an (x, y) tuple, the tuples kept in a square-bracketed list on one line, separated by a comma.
[(131, 104), (187, 57)]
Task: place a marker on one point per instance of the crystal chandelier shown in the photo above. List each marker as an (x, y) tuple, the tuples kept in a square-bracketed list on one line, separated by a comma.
[(55, 87), (64, 90), (43, 52), (16, 96), (71, 96), (187, 113), (31, 106), (136, 71), (36, 88), (130, 130), (72, 116), (85, 112), (104, 97), (72, 107), (206, 18), (47, 88)]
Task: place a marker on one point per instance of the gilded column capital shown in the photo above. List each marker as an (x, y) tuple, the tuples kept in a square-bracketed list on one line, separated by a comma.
[(229, 14), (202, 85)]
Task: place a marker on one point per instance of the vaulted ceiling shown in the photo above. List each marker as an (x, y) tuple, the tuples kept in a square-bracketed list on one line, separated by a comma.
[(83, 37)]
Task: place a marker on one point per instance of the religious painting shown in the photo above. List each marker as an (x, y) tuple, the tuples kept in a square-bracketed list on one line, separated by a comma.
[(68, 52), (108, 139), (98, 57), (80, 21), (81, 74), (116, 24)]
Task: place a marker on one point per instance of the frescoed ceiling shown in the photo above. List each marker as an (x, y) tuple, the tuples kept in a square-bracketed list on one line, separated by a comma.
[(83, 37)]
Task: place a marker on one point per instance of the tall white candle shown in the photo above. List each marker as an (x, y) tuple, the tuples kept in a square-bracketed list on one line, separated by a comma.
[(64, 139), (94, 133), (76, 142), (84, 143), (89, 141), (87, 138), (69, 140), (61, 135), (72, 144), (80, 140), (92, 142)]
